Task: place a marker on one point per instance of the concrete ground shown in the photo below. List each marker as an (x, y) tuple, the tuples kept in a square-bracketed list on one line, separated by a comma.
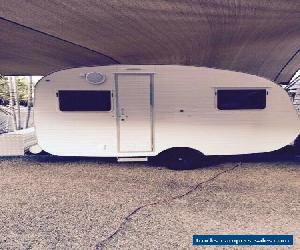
[(49, 202)]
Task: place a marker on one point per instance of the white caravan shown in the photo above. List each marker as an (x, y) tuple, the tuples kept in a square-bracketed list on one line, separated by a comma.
[(134, 112)]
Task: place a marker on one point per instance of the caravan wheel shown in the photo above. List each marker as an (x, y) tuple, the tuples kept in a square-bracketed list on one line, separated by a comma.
[(182, 158)]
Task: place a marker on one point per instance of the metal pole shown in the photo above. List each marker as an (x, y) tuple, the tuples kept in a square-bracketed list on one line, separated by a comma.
[(12, 103), (17, 104), (29, 101)]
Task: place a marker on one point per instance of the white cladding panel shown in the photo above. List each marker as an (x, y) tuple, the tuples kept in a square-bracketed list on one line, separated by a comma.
[(184, 113), (73, 133), (217, 132), (134, 112)]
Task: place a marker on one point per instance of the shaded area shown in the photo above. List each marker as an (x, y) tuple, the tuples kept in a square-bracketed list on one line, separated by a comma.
[(59, 202), (27, 52), (256, 37), (168, 200)]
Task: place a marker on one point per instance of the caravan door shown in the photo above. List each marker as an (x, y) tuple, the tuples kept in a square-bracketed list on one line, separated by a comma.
[(134, 112)]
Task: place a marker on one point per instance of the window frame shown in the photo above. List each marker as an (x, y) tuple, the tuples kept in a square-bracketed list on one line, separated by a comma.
[(89, 111), (239, 88)]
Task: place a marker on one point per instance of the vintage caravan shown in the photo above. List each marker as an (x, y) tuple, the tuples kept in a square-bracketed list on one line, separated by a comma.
[(135, 112)]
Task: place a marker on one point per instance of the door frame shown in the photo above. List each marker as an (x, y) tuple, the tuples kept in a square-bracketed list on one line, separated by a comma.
[(151, 77)]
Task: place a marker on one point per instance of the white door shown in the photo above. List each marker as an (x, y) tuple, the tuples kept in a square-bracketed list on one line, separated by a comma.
[(134, 112)]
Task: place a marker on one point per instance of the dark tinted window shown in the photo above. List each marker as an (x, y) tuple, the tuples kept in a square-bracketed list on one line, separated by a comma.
[(230, 99), (77, 100)]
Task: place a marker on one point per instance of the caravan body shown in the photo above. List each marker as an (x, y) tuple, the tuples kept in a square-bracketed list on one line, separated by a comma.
[(130, 111)]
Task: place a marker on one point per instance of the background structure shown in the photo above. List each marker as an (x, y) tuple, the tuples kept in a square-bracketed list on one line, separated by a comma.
[(260, 37)]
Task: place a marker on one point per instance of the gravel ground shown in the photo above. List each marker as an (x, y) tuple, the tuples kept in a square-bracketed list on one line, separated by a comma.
[(52, 202)]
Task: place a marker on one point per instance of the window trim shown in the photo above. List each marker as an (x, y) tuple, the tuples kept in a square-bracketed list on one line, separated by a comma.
[(90, 111), (239, 88)]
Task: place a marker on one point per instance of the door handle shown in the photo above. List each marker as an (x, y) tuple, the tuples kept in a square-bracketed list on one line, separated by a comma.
[(122, 117), (122, 111)]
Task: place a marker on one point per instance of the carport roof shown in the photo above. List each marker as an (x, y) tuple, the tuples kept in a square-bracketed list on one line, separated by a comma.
[(260, 37)]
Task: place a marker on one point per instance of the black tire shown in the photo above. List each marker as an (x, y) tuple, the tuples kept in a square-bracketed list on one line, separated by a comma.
[(181, 158), (296, 145)]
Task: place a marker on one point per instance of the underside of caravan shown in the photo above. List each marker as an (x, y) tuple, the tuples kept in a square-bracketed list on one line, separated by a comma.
[(140, 111)]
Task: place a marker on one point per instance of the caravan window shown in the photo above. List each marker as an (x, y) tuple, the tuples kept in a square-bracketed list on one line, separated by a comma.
[(235, 99), (78, 100)]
